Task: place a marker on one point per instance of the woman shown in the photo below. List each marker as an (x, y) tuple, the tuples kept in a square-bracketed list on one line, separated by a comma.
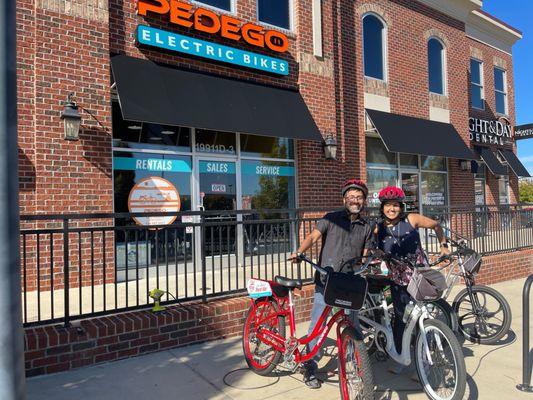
[(397, 234)]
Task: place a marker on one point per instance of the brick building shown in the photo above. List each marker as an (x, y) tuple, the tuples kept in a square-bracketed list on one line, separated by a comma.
[(68, 47), (234, 104)]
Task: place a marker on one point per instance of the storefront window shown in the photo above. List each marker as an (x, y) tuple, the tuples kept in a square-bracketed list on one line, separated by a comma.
[(137, 135), (130, 168), (503, 190), (479, 185), (434, 163), (410, 186), (423, 178), (267, 185), (217, 185), (266, 147), (409, 160), (377, 155), (215, 142), (433, 189), (150, 183), (377, 179)]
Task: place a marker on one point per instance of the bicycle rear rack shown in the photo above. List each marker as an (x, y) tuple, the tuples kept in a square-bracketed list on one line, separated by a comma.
[(525, 386)]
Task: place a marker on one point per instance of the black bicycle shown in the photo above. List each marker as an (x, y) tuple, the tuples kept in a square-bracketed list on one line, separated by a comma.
[(482, 313)]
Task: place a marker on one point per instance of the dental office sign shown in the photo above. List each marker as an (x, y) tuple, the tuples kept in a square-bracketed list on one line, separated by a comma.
[(206, 21), (498, 132)]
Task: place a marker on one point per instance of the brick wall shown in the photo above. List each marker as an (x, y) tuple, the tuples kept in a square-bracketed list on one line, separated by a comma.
[(63, 48), (54, 348)]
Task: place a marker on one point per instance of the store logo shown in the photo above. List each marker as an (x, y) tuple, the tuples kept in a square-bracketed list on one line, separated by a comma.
[(207, 21), (154, 194), (149, 36), (497, 132)]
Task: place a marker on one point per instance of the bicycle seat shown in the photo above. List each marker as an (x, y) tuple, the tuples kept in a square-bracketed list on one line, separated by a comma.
[(288, 283)]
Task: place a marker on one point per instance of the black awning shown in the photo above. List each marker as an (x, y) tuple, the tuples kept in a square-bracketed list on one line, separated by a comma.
[(149, 92), (491, 160), (402, 134), (515, 164)]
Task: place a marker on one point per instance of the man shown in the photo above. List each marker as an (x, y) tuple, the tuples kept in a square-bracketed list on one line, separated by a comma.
[(345, 235)]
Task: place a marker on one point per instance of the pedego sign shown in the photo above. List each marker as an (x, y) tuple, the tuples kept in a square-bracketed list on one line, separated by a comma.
[(154, 194)]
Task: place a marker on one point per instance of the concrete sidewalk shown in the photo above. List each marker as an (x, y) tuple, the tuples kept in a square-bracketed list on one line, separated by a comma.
[(217, 370)]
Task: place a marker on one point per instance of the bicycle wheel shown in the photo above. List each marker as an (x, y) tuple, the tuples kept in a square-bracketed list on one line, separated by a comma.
[(488, 321), (444, 377), (442, 311), (356, 380), (261, 357)]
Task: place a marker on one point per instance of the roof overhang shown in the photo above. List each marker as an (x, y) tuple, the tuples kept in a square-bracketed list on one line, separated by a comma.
[(458, 9), (489, 30)]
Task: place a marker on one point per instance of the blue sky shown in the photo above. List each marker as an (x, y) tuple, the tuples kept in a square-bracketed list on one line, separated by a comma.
[(519, 14)]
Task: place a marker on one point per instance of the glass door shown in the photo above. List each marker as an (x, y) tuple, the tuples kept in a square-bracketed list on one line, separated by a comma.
[(217, 185), (217, 191), (411, 187)]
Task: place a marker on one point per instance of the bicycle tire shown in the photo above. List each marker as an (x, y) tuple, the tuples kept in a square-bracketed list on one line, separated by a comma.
[(353, 349), (457, 356), (445, 313), (475, 337), (248, 335)]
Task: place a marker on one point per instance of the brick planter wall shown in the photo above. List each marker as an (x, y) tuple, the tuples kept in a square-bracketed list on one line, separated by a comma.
[(53, 348)]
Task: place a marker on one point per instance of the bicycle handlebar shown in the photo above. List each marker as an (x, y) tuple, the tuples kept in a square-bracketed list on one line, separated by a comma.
[(374, 254), (407, 259), (325, 271)]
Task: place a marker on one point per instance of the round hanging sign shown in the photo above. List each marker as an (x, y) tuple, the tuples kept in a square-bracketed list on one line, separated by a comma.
[(154, 194)]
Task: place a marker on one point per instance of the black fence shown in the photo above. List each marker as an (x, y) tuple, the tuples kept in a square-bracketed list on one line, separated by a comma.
[(76, 266)]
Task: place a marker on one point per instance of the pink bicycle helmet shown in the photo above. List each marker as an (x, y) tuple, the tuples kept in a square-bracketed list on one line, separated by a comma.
[(391, 193)]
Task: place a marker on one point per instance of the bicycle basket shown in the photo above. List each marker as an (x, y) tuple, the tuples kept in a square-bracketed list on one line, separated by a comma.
[(472, 263), (426, 284), (345, 290)]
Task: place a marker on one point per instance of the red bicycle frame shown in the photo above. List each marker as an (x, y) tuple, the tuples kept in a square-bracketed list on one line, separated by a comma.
[(320, 330)]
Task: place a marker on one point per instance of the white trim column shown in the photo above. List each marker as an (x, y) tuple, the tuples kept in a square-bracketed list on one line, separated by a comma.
[(317, 28)]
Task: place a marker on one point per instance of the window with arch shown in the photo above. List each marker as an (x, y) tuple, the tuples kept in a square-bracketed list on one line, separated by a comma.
[(436, 66), (374, 47)]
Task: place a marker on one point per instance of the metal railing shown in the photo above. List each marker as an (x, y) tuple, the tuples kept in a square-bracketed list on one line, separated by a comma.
[(76, 266), (525, 386)]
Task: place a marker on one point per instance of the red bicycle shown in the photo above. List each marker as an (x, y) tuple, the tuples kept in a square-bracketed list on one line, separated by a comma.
[(266, 345)]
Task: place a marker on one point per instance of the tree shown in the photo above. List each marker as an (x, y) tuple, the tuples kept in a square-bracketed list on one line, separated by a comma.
[(526, 192)]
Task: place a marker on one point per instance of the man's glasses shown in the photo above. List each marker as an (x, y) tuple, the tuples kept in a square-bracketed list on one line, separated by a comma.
[(354, 198)]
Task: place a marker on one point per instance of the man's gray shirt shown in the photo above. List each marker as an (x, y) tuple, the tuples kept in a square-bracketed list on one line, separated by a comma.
[(342, 240)]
